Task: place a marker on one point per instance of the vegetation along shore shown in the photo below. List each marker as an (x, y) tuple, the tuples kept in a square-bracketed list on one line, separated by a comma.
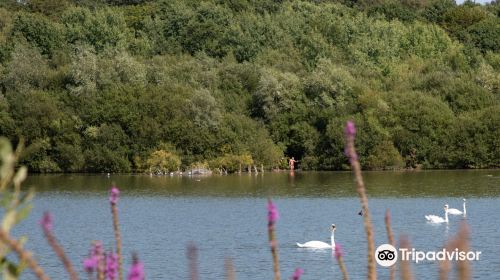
[(131, 86)]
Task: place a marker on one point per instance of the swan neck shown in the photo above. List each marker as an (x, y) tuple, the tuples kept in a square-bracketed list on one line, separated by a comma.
[(333, 238), (446, 216), (465, 210)]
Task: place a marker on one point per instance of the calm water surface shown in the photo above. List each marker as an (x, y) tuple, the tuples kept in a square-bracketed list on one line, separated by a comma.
[(226, 217)]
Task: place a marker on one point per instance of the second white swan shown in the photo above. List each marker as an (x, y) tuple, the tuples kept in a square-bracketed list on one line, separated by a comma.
[(454, 211), (320, 244)]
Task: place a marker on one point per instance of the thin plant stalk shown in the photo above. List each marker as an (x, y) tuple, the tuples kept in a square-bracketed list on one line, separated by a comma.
[(345, 276), (390, 237), (463, 266), (405, 264), (192, 254), (274, 252), (116, 227), (23, 255), (9, 162), (339, 255), (273, 243), (101, 266), (230, 273), (460, 242), (47, 230), (444, 265), (350, 134)]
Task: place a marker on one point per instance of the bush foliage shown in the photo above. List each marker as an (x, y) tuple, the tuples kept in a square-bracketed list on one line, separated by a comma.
[(100, 86)]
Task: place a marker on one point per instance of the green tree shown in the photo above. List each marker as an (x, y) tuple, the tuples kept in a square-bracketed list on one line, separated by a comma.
[(393, 10), (473, 141), (102, 28), (485, 35), (26, 70), (435, 10), (40, 32), (51, 8), (163, 161), (421, 123)]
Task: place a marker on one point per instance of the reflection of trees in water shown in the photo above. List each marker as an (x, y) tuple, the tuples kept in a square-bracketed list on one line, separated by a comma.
[(455, 183)]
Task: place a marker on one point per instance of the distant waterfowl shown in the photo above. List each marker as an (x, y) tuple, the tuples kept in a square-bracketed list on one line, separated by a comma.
[(360, 212), (454, 211), (320, 244), (433, 219)]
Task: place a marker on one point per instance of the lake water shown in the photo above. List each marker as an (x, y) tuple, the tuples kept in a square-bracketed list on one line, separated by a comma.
[(226, 216)]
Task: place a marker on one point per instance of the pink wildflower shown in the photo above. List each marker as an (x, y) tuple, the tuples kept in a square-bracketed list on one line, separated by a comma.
[(136, 271), (46, 222), (350, 129), (339, 253), (298, 272), (111, 266), (273, 214), (90, 263), (113, 197)]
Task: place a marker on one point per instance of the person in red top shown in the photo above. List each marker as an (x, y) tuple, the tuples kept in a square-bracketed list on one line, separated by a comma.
[(291, 163)]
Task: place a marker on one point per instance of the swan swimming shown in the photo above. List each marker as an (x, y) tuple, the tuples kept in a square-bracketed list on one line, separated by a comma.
[(454, 211), (436, 219), (320, 244)]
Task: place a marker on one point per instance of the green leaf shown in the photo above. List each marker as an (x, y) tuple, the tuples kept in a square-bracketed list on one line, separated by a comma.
[(11, 272), (27, 197), (6, 199), (9, 220), (23, 213), (20, 175)]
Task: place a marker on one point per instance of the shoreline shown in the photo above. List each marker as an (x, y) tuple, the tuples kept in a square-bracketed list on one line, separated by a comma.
[(404, 170)]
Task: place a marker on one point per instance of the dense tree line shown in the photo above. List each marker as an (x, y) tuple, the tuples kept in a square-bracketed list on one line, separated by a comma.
[(119, 86)]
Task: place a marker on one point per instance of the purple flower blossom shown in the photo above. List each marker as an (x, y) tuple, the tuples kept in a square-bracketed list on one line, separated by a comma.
[(352, 155), (90, 264), (97, 249), (350, 129), (350, 133), (111, 266), (298, 272), (273, 214), (136, 271), (113, 196), (339, 253), (46, 222)]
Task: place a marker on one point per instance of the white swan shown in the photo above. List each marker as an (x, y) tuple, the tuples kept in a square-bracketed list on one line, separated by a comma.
[(320, 244), (454, 211), (436, 219)]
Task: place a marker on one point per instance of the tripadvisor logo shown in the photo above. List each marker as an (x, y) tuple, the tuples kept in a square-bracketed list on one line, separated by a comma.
[(387, 255)]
